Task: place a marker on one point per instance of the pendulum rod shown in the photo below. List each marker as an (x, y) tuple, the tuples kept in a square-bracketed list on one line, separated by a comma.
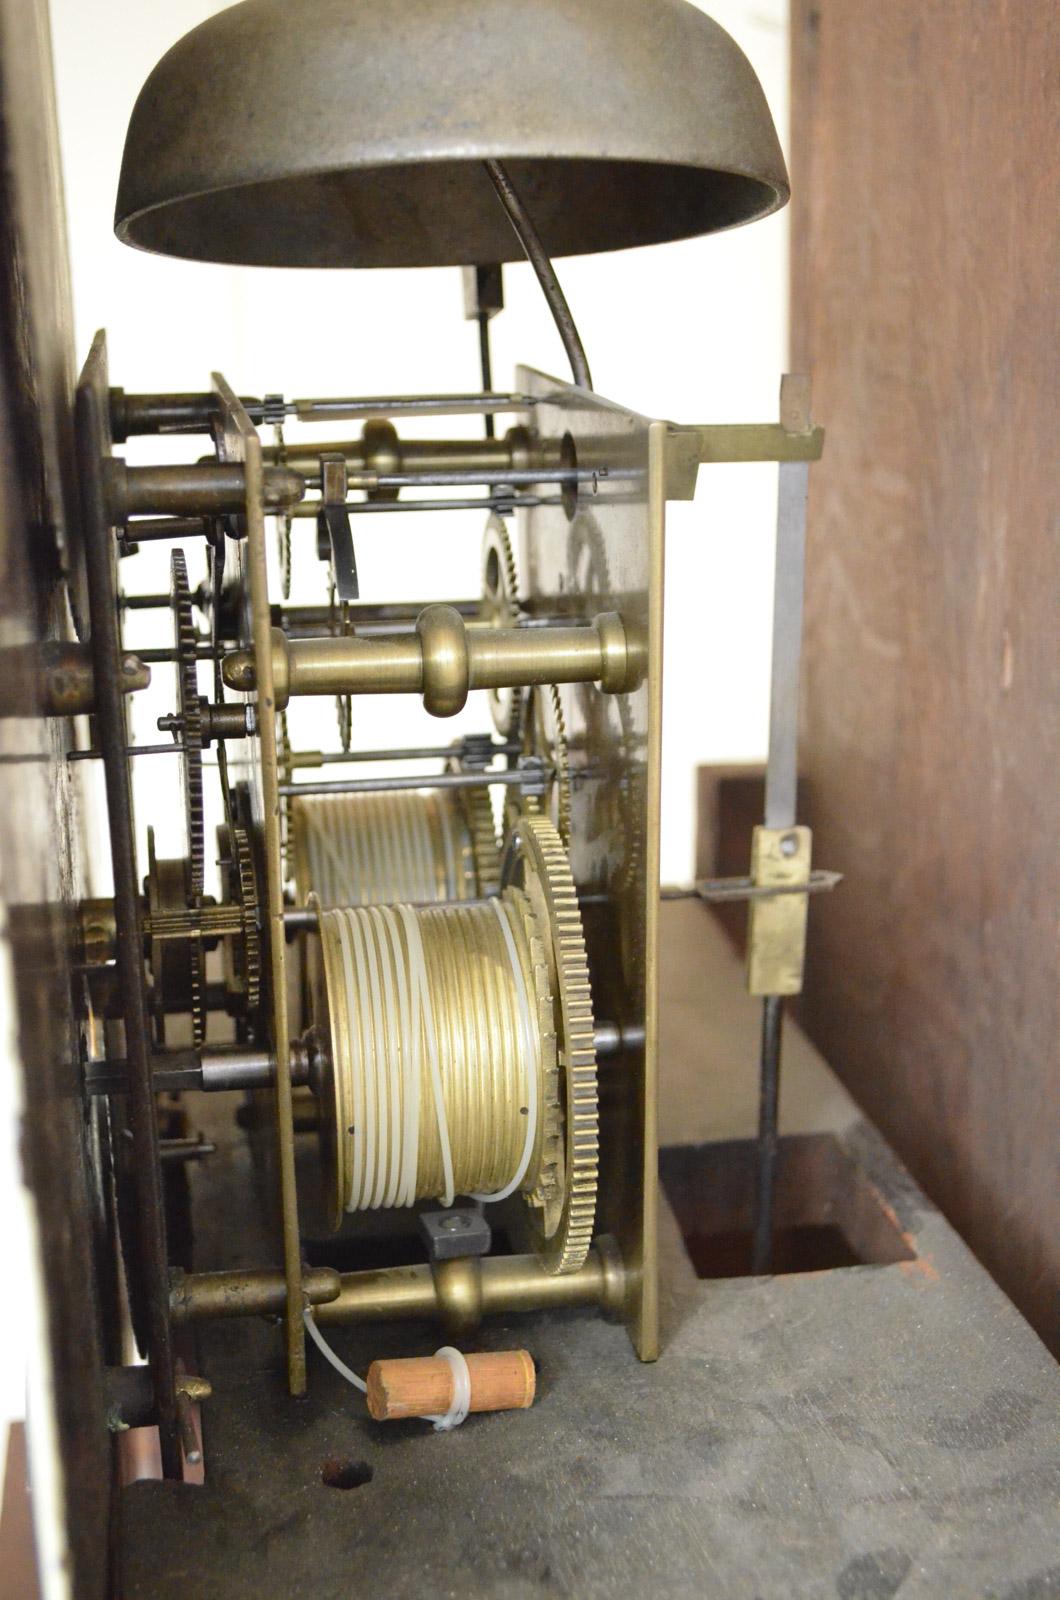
[(781, 787)]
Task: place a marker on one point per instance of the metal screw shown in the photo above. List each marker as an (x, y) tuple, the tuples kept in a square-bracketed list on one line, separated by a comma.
[(454, 1224), (789, 844)]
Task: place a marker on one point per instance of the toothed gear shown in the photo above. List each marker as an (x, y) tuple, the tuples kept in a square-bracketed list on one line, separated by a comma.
[(247, 948), (500, 608), (178, 965), (197, 1005), (190, 710), (485, 848), (283, 756), (558, 752), (536, 862), (589, 575), (546, 1193), (544, 734), (341, 627), (283, 521), (477, 809)]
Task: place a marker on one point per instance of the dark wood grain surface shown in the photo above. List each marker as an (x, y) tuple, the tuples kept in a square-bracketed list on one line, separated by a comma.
[(41, 863), (925, 274)]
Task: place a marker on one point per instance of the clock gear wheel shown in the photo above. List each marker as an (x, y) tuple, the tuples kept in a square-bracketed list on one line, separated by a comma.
[(189, 709), (536, 862), (283, 756), (283, 520), (476, 808), (478, 812), (544, 734), (341, 627), (174, 949), (242, 949), (500, 609)]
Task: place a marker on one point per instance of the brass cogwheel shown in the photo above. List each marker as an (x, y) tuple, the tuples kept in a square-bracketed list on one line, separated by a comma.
[(589, 575), (477, 810), (178, 965), (556, 750), (534, 716), (341, 627), (283, 520), (283, 756), (190, 710), (500, 609), (245, 949), (536, 862), (544, 734)]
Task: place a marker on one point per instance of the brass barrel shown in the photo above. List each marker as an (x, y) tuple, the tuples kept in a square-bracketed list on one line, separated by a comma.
[(454, 1291), (379, 449), (209, 488), (444, 659)]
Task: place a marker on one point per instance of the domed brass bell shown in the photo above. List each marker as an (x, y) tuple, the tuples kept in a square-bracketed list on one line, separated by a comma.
[(349, 133)]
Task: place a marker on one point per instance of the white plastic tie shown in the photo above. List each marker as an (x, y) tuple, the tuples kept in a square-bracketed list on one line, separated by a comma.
[(460, 1404)]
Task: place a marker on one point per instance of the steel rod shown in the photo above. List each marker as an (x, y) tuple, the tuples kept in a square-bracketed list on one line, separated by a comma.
[(530, 240), (203, 652), (782, 765), (440, 780), (214, 1070), (441, 477), (504, 505), (428, 752), (781, 771), (768, 1120), (721, 889), (485, 358), (169, 749), (295, 617), (423, 405)]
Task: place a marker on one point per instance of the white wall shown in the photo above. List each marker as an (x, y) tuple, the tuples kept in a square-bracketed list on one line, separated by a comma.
[(693, 331)]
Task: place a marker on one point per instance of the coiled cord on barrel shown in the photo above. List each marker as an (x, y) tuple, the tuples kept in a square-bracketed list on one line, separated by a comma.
[(437, 1049), (370, 849)]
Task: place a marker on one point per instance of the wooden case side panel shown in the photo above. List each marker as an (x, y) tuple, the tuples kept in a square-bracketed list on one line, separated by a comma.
[(924, 250)]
